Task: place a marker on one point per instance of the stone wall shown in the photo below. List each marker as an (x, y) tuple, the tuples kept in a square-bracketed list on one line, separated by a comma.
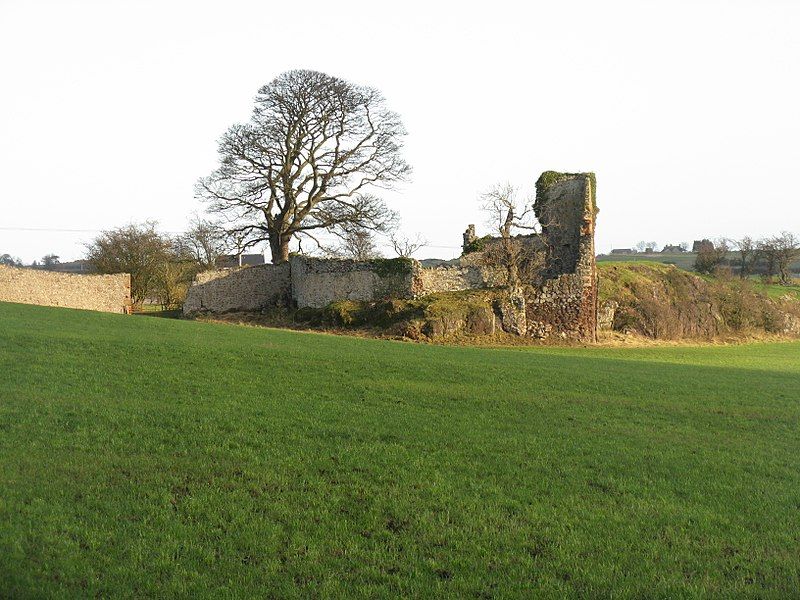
[(106, 293), (561, 302), (450, 279), (239, 289), (316, 282)]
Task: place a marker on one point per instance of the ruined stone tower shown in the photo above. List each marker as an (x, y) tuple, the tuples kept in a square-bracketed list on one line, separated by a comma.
[(566, 303)]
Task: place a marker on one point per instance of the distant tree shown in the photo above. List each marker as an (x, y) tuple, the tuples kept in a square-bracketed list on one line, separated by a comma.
[(747, 248), (49, 260), (138, 249), (10, 261), (506, 213), (711, 257), (684, 246), (356, 243), (204, 242), (406, 247), (174, 275), (767, 256), (645, 246), (314, 150), (787, 249)]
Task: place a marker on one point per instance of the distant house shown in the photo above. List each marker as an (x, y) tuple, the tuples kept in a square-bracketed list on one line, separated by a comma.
[(74, 266), (670, 249), (227, 261), (702, 245), (623, 251)]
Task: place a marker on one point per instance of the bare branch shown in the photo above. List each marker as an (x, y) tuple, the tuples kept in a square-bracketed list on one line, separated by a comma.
[(307, 159)]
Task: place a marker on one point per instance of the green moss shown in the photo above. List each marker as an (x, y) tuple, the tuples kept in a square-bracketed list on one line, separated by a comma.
[(477, 245), (388, 267), (433, 314), (550, 178)]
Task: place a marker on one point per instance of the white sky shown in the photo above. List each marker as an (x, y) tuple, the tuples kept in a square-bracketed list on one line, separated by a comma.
[(689, 112)]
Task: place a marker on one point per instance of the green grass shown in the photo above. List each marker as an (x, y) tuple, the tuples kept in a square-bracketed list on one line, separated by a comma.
[(682, 260), (154, 457), (779, 291)]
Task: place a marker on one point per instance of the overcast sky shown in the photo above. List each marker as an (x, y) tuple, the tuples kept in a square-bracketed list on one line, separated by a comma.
[(689, 112)]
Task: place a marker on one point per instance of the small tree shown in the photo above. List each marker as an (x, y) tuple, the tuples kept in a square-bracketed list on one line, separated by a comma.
[(710, 257), (406, 247), (787, 249), (204, 242), (10, 261), (645, 246), (49, 260), (506, 214), (174, 276), (356, 243), (747, 248), (767, 255), (138, 249)]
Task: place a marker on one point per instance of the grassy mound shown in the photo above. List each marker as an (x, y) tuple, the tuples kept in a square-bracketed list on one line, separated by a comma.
[(443, 316), (161, 458), (664, 302)]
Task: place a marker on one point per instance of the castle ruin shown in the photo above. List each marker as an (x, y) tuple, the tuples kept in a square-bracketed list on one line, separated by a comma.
[(561, 302)]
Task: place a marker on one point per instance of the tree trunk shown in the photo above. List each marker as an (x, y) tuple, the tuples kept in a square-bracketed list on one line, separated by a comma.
[(279, 248)]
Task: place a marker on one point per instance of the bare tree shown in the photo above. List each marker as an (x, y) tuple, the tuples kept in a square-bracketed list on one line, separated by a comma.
[(787, 249), (356, 243), (645, 246), (406, 247), (747, 248), (310, 158), (204, 241), (8, 260), (711, 256), (506, 214), (174, 274), (768, 257), (49, 260)]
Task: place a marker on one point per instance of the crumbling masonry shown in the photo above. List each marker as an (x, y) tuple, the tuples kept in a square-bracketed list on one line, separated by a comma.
[(561, 303), (566, 302)]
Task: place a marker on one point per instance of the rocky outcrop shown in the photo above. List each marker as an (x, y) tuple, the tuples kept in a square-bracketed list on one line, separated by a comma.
[(664, 302)]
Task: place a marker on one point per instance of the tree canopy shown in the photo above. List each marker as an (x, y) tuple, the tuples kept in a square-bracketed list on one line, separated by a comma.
[(312, 157)]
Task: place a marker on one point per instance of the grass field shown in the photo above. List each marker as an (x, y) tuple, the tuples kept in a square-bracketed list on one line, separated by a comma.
[(682, 260), (154, 457)]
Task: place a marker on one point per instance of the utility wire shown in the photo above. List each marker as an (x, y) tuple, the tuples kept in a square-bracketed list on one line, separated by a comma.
[(59, 230)]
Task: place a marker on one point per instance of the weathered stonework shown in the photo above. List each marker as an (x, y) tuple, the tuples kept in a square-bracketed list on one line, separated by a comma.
[(561, 302), (451, 279), (105, 293), (239, 289), (605, 315), (565, 304), (316, 282)]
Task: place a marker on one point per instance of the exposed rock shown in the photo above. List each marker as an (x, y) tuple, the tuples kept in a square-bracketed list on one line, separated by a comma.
[(605, 315), (511, 308)]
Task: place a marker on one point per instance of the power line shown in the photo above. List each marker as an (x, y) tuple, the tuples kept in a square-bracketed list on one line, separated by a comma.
[(61, 230), (49, 230)]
